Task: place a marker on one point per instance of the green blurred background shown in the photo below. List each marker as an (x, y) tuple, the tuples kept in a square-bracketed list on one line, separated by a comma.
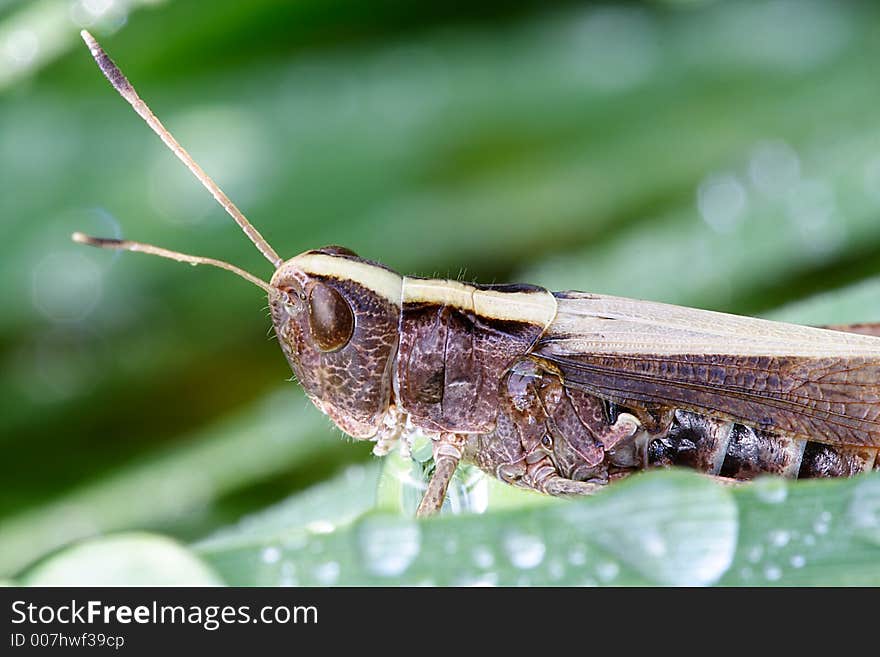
[(718, 154)]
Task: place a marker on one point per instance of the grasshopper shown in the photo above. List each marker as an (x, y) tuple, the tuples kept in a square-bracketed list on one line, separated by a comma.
[(557, 392)]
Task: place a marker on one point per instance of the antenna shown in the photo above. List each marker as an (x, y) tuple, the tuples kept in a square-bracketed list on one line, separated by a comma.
[(128, 245), (127, 91)]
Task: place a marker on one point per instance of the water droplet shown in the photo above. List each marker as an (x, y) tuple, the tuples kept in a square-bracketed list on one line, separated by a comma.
[(98, 8), (772, 573), (270, 554), (864, 509), (484, 579), (327, 573), (612, 48), (812, 208), (797, 561), (823, 523), (288, 574), (809, 539), (755, 553), (779, 538), (66, 286), (555, 569), (653, 543), (722, 201), (774, 167), (770, 490), (483, 557), (606, 571), (388, 544), (524, 550), (320, 527), (21, 47), (577, 556)]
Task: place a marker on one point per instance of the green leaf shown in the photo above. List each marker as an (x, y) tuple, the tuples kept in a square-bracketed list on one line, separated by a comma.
[(810, 533), (660, 528), (135, 559), (666, 528), (320, 509)]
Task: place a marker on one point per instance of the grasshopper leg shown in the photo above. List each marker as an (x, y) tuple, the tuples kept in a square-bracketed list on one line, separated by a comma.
[(447, 455), (561, 487)]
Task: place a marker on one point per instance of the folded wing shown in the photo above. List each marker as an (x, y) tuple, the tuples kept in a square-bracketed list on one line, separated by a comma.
[(817, 384)]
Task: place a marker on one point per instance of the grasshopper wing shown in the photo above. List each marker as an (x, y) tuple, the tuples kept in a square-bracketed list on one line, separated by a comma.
[(817, 384)]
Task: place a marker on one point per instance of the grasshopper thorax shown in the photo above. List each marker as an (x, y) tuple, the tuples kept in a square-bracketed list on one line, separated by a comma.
[(336, 317)]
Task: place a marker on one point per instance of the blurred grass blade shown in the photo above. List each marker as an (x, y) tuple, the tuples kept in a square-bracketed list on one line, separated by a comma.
[(275, 435), (134, 559), (41, 30)]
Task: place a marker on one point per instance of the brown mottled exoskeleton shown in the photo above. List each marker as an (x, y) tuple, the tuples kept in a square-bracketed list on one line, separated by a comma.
[(557, 392)]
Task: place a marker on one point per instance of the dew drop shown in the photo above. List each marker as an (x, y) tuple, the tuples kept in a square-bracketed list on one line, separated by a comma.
[(388, 545), (612, 49), (864, 509), (654, 544), (270, 554), (797, 561), (823, 523), (606, 571), (320, 527), (772, 573), (755, 553), (770, 490), (485, 579), (66, 286), (524, 550), (774, 167), (779, 538), (722, 201), (577, 556), (483, 557), (327, 573), (21, 47), (288, 574), (556, 570)]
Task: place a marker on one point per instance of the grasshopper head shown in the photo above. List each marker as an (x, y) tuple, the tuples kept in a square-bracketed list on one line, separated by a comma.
[(335, 314), (336, 318)]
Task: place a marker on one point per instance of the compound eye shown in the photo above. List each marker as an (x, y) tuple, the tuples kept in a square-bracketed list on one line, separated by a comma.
[(330, 318)]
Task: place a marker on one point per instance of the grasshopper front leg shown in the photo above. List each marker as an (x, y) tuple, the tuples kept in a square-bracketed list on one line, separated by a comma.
[(447, 455)]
